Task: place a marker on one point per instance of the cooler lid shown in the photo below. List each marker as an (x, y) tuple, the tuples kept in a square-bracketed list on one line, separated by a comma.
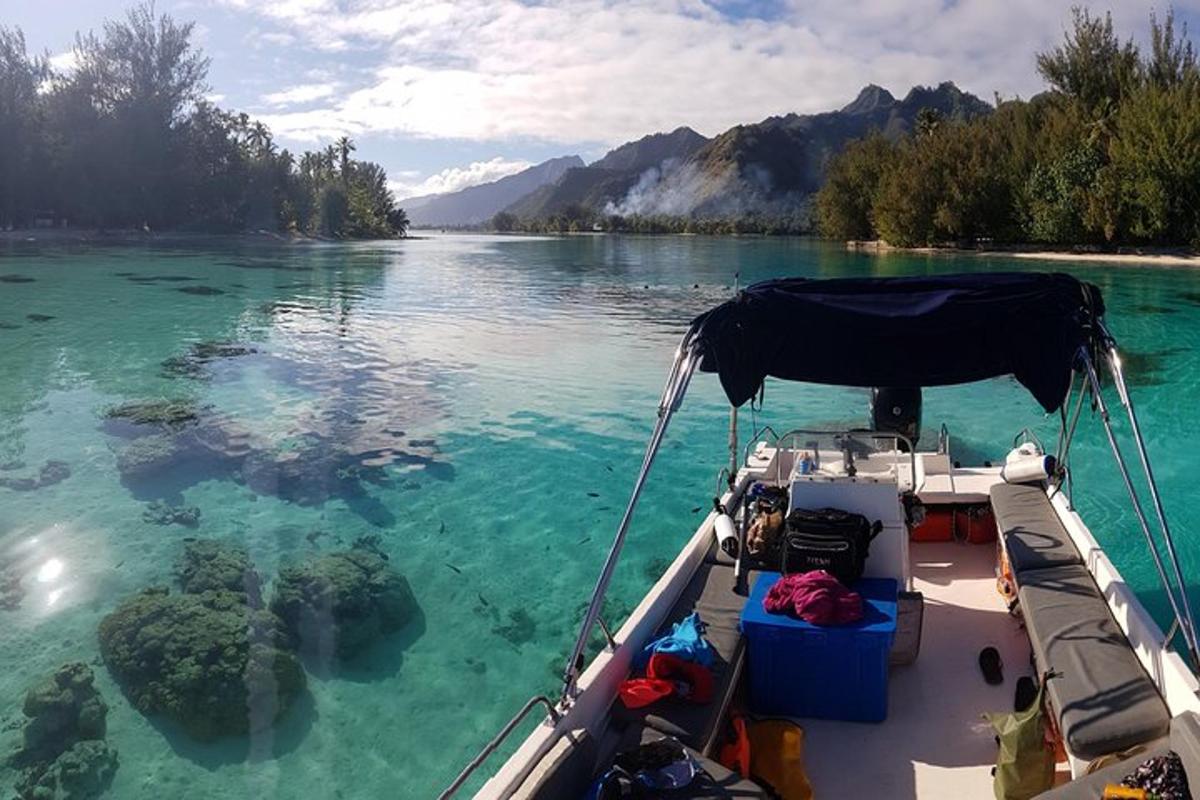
[(879, 608)]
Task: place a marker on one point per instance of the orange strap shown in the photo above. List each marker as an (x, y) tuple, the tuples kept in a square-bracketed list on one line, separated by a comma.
[(735, 755)]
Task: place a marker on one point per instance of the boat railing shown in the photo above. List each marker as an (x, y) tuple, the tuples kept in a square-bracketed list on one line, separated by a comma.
[(759, 436), (1028, 435), (782, 441), (1176, 592), (778, 441), (494, 744)]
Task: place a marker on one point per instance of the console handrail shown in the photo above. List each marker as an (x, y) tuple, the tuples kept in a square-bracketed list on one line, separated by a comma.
[(912, 455)]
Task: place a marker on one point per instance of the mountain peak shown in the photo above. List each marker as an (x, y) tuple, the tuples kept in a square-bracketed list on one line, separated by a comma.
[(870, 98), (651, 151), (947, 98)]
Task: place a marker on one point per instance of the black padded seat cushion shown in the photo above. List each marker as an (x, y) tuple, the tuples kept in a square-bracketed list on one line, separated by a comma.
[(710, 592), (1104, 700), (1033, 536)]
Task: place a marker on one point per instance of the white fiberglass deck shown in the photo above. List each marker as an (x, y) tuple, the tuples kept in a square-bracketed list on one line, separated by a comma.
[(934, 743)]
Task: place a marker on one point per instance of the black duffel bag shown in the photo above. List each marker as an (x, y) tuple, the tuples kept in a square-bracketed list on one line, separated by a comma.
[(830, 539)]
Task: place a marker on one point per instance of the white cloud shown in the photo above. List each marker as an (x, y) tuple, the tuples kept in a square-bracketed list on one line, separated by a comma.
[(455, 178), (215, 98), (297, 95), (609, 70)]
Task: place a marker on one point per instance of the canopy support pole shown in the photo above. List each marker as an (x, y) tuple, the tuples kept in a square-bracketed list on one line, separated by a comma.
[(733, 445), (1067, 436), (1185, 620), (1114, 365), (687, 358)]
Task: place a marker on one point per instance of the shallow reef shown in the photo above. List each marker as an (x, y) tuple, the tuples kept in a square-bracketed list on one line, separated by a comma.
[(210, 565), (339, 603), (1146, 368), (147, 456), (63, 755), (194, 363), (52, 472), (169, 413), (160, 513), (519, 629), (203, 291), (11, 590), (209, 657)]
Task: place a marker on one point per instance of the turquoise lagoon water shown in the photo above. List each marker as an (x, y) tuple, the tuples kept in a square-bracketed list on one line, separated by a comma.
[(481, 405)]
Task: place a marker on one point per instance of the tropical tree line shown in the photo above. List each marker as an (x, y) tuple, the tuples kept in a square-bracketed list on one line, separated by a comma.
[(126, 139), (577, 219), (1108, 155)]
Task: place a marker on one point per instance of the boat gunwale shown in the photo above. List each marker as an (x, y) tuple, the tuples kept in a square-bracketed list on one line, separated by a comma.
[(1170, 673), (611, 666)]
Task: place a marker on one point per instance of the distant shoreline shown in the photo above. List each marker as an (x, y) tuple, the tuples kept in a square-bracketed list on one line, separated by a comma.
[(133, 236), (1148, 257)]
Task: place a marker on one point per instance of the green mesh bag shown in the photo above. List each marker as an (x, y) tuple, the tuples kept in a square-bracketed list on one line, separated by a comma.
[(1024, 765)]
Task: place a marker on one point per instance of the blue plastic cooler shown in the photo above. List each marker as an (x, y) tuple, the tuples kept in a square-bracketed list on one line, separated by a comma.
[(797, 669)]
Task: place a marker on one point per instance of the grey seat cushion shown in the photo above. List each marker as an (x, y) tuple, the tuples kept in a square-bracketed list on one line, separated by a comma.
[(710, 592), (1104, 700), (1033, 536)]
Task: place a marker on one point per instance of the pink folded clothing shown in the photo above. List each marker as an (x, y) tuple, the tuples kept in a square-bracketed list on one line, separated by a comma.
[(815, 597)]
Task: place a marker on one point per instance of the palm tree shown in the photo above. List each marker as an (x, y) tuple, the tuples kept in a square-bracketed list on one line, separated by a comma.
[(345, 146), (928, 121), (398, 220), (259, 138)]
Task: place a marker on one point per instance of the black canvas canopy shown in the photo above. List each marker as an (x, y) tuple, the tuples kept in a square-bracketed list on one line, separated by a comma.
[(918, 331)]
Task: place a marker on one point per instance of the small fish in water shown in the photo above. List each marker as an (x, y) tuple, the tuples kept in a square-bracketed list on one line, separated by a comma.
[(604, 508), (458, 571), (442, 528), (608, 467), (696, 510), (189, 538), (483, 600), (584, 540), (119, 565), (593, 494)]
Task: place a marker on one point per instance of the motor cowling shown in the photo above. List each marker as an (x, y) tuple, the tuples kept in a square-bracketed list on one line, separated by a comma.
[(897, 409)]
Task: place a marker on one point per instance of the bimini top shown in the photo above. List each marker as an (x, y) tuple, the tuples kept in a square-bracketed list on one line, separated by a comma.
[(919, 331)]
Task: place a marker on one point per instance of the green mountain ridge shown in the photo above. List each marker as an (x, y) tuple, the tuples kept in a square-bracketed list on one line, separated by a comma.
[(770, 167)]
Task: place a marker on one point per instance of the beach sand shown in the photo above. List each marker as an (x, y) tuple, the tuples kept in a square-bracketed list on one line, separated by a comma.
[(1146, 258)]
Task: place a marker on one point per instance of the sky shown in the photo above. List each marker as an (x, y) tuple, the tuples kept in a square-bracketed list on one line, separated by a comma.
[(447, 94)]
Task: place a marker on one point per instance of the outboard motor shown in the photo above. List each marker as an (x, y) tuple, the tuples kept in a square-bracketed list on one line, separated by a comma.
[(897, 409)]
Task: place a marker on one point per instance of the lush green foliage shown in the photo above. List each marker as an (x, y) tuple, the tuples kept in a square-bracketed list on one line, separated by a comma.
[(1109, 155), (126, 139), (578, 219)]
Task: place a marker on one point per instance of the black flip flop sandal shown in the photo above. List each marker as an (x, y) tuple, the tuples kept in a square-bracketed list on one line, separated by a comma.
[(1025, 694), (992, 667)]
